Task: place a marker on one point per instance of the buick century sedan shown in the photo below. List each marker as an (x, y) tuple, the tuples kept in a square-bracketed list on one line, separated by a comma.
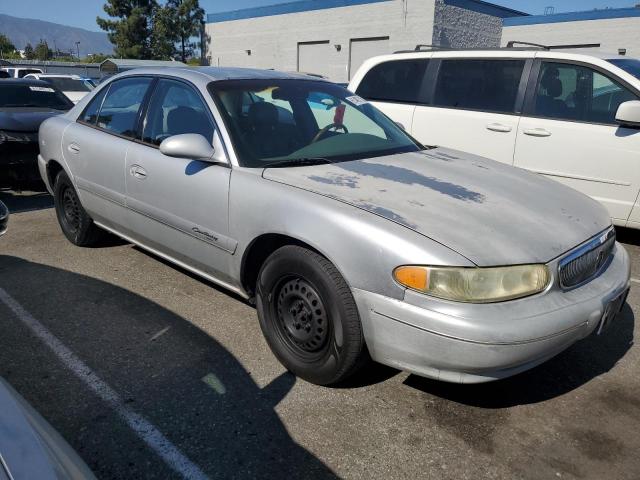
[(354, 240)]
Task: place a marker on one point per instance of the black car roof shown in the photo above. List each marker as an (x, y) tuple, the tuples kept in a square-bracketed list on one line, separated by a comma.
[(25, 81)]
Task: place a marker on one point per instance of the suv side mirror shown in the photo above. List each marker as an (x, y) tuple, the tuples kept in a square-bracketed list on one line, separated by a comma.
[(192, 146), (4, 218), (628, 114)]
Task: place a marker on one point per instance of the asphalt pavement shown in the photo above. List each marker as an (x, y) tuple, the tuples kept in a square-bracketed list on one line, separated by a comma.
[(166, 376)]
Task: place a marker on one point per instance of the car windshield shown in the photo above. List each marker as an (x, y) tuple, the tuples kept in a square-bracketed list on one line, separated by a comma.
[(68, 84), (38, 96), (289, 121), (629, 65)]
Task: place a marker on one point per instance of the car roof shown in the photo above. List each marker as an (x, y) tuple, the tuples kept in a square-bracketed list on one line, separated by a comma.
[(219, 73), (506, 52), (25, 81), (55, 75)]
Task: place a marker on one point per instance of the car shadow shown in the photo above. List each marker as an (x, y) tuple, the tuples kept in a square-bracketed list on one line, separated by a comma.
[(581, 363), (630, 236), (164, 368), (25, 201)]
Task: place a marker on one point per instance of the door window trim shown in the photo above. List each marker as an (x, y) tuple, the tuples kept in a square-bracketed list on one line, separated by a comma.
[(532, 85), (433, 71)]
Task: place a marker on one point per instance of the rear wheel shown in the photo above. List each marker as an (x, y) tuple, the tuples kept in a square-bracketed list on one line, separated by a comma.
[(74, 221), (309, 317)]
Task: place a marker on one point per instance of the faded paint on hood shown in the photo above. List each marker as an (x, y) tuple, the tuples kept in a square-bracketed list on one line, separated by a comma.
[(491, 213)]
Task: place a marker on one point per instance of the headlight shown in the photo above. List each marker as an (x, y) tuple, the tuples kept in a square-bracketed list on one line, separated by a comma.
[(475, 285)]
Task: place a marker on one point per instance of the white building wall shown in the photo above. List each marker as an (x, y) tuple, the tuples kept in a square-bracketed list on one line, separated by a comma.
[(461, 28), (273, 40), (612, 34)]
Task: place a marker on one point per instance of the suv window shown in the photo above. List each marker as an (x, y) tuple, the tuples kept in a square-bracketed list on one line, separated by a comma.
[(121, 105), (175, 108), (395, 81), (574, 92), (478, 84)]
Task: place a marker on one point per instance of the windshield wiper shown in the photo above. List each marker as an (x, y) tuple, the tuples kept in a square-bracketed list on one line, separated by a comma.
[(297, 162)]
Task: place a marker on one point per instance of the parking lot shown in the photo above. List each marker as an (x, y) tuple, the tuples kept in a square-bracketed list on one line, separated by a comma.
[(148, 371)]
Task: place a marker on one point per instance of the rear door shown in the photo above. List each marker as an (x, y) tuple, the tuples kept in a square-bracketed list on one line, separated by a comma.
[(474, 105), (179, 206), (96, 145), (569, 133), (395, 87)]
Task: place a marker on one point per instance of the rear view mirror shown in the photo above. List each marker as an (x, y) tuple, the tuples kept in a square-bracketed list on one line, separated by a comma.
[(400, 125), (192, 146), (628, 114)]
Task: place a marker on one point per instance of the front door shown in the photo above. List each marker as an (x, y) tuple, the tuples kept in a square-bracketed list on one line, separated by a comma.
[(178, 206), (569, 133)]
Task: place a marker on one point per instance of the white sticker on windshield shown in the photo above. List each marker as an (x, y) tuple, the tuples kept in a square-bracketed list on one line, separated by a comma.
[(356, 100), (41, 89)]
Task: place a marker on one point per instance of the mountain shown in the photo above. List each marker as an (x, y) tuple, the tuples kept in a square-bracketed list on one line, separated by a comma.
[(27, 30)]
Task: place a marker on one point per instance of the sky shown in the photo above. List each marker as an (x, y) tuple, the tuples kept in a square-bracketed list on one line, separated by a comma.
[(82, 13)]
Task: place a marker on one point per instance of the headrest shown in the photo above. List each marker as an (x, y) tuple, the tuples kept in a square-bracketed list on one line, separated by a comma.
[(263, 114), (551, 82)]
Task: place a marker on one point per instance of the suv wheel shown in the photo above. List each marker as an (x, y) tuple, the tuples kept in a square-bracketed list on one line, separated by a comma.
[(309, 317)]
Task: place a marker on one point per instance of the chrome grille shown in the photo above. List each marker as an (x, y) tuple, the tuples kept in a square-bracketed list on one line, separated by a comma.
[(584, 263)]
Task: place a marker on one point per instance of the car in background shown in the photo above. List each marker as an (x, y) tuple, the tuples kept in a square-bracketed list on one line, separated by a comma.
[(30, 448), (4, 74), (73, 86), (571, 115), (24, 105), (352, 238), (4, 218), (20, 72)]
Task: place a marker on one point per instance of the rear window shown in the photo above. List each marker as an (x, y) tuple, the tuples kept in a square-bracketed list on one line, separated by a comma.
[(68, 84), (395, 81), (36, 96), (477, 84), (27, 71)]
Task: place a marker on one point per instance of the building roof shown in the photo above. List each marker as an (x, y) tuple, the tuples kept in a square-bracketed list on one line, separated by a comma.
[(113, 65), (608, 13), (311, 5)]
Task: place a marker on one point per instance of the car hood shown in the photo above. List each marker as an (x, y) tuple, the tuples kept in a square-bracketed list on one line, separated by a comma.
[(25, 119), (491, 213)]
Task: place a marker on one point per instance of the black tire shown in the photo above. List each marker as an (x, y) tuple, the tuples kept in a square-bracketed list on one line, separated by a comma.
[(74, 221), (309, 317)]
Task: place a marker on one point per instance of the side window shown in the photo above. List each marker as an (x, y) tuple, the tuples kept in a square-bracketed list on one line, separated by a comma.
[(574, 92), (395, 81), (121, 105), (478, 84), (175, 109), (90, 114)]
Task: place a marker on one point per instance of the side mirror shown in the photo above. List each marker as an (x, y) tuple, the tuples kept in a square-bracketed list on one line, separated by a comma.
[(628, 114), (192, 146), (4, 218)]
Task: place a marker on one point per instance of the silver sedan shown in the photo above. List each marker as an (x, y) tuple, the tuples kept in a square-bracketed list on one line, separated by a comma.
[(353, 240)]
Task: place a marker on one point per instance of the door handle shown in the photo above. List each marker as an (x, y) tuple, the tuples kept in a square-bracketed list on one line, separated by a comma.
[(537, 132), (138, 172), (74, 148), (499, 127)]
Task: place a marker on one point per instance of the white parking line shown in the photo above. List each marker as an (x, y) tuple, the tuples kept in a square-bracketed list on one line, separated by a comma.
[(141, 426)]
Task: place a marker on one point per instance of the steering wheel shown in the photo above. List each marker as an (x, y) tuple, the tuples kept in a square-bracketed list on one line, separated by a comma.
[(323, 131)]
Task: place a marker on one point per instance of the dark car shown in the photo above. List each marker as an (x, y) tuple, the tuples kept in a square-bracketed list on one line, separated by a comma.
[(24, 105)]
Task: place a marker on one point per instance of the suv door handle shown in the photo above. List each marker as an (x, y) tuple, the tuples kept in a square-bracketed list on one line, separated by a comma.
[(74, 148), (499, 127), (138, 172), (537, 132)]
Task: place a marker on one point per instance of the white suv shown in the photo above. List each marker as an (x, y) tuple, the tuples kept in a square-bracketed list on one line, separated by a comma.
[(569, 114)]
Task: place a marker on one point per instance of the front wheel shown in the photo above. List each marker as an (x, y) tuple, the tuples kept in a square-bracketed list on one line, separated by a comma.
[(74, 221), (309, 317)]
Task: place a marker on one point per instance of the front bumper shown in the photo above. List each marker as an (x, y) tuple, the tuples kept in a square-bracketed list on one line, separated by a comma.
[(471, 343), (18, 160)]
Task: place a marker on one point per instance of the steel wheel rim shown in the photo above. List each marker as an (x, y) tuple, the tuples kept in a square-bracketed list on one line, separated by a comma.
[(71, 209), (301, 317)]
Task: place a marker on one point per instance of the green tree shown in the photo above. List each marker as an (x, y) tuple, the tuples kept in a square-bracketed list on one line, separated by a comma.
[(188, 18), (130, 25), (42, 51), (28, 52), (163, 34), (7, 48)]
